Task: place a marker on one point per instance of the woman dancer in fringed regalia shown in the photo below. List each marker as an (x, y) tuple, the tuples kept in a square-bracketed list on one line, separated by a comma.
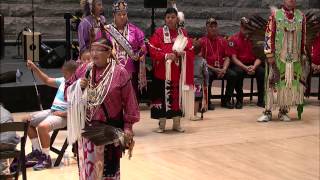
[(172, 87), (108, 99)]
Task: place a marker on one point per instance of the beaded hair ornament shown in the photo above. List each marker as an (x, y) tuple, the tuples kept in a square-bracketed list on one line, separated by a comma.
[(87, 5), (120, 5)]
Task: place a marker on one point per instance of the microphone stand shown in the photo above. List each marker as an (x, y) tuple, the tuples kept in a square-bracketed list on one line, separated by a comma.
[(33, 48)]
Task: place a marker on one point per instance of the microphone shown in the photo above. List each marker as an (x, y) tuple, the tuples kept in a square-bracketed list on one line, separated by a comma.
[(89, 67)]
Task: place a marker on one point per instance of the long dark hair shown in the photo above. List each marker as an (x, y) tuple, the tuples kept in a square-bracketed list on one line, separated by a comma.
[(171, 10)]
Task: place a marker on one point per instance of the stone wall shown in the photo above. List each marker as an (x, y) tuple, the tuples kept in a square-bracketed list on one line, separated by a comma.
[(50, 22)]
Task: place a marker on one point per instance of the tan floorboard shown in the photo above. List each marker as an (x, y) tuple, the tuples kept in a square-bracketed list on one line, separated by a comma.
[(227, 144)]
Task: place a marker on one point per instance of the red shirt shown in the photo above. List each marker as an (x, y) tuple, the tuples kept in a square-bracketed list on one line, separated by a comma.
[(158, 49), (214, 50), (315, 51), (242, 48)]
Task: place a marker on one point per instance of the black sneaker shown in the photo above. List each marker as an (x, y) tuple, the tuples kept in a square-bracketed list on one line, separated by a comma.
[(14, 165), (33, 158), (239, 105), (44, 163), (228, 105)]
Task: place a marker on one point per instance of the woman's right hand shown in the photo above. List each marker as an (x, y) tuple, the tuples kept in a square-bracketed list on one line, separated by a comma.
[(83, 83)]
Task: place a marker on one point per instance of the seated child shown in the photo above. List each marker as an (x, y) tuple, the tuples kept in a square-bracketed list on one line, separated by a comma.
[(201, 79)]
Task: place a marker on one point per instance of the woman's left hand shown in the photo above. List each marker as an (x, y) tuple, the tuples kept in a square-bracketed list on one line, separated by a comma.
[(129, 142), (128, 133)]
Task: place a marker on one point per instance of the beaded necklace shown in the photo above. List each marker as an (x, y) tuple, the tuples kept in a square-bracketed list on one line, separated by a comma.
[(97, 92)]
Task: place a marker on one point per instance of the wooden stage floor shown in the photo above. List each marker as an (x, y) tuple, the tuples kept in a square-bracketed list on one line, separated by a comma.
[(226, 145)]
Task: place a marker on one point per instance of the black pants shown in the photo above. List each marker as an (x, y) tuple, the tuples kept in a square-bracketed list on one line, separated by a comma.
[(231, 78), (259, 75)]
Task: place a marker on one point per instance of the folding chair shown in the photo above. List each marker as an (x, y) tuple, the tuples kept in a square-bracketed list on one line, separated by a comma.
[(55, 150), (19, 155)]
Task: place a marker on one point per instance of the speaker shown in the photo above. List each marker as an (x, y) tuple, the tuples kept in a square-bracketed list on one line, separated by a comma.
[(52, 58), (155, 3), (28, 47), (8, 77)]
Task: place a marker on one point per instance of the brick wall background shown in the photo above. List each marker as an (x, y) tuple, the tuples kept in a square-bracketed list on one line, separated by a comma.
[(50, 22)]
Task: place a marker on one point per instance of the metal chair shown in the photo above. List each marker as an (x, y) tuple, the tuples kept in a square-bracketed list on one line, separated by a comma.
[(19, 155)]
